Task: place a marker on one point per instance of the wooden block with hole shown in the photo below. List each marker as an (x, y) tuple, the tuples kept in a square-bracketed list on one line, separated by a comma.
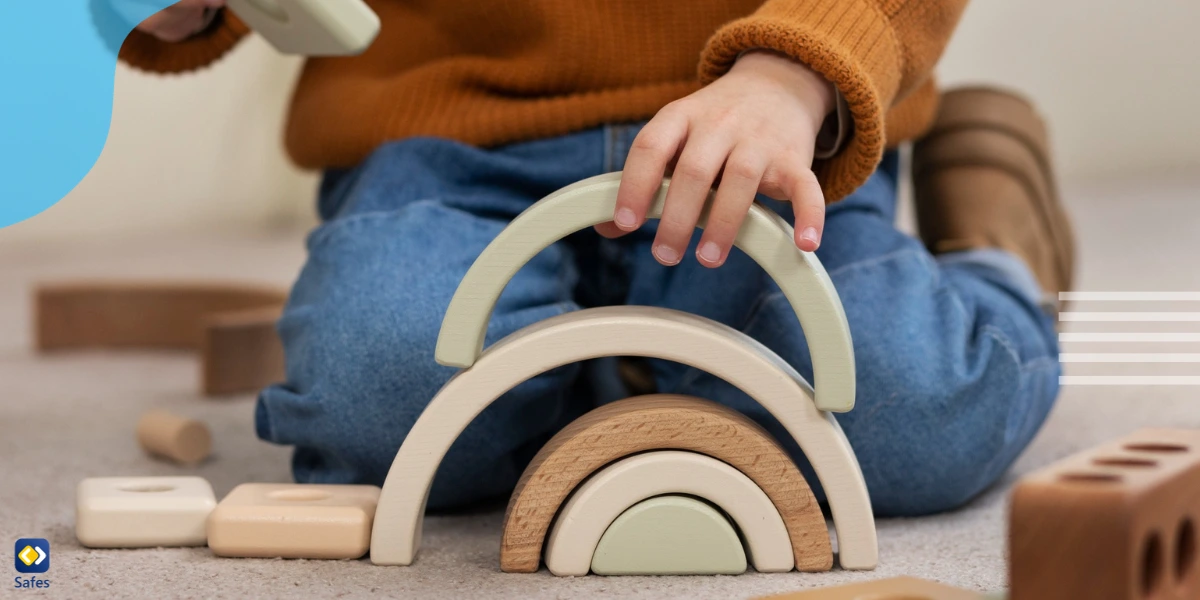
[(270, 520), (142, 512), (1117, 522)]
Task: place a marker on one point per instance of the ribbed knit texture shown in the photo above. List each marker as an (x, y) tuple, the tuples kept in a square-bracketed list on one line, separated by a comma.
[(490, 72)]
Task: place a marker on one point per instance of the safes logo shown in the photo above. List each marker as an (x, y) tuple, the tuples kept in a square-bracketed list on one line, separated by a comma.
[(31, 555)]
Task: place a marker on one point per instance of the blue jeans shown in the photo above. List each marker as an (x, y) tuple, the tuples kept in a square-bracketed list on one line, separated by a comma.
[(957, 366)]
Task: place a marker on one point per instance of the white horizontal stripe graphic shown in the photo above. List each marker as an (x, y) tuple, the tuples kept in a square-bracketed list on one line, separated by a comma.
[(1166, 317), (1118, 357), (1131, 296), (1128, 380), (1129, 337)]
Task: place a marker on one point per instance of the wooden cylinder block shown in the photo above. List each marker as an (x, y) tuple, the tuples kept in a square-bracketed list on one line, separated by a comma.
[(183, 440)]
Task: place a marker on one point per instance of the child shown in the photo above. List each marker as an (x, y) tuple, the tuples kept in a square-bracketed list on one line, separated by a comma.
[(462, 114)]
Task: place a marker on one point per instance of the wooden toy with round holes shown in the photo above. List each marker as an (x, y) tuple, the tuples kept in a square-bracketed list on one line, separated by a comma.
[(662, 333), (311, 27), (605, 496), (142, 512), (1114, 522), (232, 325), (268, 520)]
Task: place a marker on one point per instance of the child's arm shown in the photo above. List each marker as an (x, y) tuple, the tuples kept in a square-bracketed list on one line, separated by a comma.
[(771, 78), (185, 36)]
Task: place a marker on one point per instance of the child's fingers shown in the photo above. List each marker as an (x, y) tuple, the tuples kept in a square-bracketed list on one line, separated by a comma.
[(610, 230), (179, 21), (739, 183), (693, 177), (652, 149), (808, 204)]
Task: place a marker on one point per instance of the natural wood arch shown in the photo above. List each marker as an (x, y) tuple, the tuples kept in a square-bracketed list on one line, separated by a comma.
[(662, 333), (764, 237), (605, 494), (231, 325)]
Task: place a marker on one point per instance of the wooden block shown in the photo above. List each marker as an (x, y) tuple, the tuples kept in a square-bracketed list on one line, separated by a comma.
[(606, 497), (183, 440), (267, 520), (896, 588), (241, 351), (620, 429), (142, 512), (311, 27), (1114, 522), (670, 535), (591, 333), (232, 325), (764, 236)]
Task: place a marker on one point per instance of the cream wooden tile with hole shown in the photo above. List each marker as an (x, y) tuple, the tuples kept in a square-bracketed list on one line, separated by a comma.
[(267, 520), (142, 512)]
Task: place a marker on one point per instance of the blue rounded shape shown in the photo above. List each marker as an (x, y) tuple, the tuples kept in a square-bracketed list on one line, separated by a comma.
[(57, 62)]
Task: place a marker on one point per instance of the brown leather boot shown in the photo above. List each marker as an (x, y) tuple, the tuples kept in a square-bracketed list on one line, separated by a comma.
[(982, 178)]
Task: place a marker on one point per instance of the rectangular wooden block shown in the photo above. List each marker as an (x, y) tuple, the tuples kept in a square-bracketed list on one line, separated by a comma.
[(142, 512), (1117, 522), (896, 588), (267, 520)]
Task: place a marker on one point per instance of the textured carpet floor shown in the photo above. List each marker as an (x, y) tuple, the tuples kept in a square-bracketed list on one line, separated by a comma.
[(69, 416)]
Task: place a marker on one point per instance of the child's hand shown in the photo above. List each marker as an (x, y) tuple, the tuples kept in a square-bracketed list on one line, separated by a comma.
[(181, 20), (756, 129)]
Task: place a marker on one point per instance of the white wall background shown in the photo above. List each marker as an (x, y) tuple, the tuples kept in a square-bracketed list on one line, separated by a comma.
[(1119, 81)]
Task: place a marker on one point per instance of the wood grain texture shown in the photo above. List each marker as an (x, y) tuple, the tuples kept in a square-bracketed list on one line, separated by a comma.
[(1118, 521), (670, 535), (232, 325), (662, 333), (595, 505), (764, 236), (895, 588), (241, 351)]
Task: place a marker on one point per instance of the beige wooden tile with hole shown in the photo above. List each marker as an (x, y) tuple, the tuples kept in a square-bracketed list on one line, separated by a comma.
[(268, 520), (142, 512)]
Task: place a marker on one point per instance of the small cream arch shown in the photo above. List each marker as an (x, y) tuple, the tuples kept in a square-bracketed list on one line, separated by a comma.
[(661, 333), (594, 506), (764, 237)]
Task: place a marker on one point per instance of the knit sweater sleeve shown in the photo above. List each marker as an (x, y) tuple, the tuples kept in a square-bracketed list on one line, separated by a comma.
[(876, 52), (146, 52)]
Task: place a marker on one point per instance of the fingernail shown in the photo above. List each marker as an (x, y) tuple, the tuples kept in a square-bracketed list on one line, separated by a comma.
[(709, 252), (625, 219), (666, 255), (810, 234)]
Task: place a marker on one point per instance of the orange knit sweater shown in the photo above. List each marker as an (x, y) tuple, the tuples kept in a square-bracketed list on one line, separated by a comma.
[(489, 72)]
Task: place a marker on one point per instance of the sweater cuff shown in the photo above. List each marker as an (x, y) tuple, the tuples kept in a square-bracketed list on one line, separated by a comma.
[(148, 53), (851, 43)]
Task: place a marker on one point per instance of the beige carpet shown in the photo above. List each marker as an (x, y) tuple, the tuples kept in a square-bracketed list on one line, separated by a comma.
[(70, 416)]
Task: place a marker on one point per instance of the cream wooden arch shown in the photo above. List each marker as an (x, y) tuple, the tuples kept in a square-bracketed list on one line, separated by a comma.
[(764, 236), (614, 489), (667, 334)]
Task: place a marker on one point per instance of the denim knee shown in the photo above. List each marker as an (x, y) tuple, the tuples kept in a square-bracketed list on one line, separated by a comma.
[(930, 443), (358, 375)]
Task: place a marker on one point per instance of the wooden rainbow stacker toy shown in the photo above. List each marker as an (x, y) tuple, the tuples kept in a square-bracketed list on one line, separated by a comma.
[(588, 498)]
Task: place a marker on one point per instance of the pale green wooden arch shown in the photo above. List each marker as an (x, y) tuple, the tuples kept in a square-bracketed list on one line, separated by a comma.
[(764, 237)]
